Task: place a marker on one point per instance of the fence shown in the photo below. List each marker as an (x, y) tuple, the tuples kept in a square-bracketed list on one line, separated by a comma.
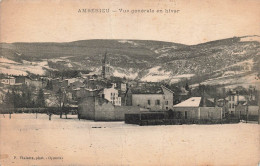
[(53, 110), (164, 119)]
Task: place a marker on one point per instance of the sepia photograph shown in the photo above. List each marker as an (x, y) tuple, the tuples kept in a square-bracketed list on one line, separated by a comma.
[(129, 83)]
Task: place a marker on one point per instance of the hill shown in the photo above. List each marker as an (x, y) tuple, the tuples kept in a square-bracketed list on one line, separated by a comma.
[(231, 58)]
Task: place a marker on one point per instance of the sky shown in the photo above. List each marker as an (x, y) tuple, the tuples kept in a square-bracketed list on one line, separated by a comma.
[(196, 22)]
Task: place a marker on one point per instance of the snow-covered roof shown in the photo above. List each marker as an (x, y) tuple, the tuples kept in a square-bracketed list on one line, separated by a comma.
[(191, 102)]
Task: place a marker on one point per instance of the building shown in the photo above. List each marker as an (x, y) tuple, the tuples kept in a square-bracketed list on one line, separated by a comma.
[(249, 108), (154, 101), (233, 99), (123, 87), (111, 94), (25, 80), (193, 108), (106, 69), (8, 80), (126, 97), (94, 107)]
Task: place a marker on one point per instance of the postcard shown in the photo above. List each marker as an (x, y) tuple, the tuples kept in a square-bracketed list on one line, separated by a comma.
[(129, 82)]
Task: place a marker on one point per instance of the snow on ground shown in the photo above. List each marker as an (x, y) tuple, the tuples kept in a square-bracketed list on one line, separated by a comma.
[(115, 143), (129, 75), (155, 78), (22, 68), (245, 81), (5, 60), (120, 72), (12, 71), (184, 76), (164, 49), (247, 64), (156, 75), (128, 41)]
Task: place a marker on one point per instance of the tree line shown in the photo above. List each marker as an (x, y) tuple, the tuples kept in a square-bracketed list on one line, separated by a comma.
[(24, 99)]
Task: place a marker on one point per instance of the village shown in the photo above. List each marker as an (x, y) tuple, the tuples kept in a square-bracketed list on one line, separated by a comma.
[(103, 97)]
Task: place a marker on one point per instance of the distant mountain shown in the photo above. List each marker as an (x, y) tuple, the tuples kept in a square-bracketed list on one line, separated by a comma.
[(231, 58)]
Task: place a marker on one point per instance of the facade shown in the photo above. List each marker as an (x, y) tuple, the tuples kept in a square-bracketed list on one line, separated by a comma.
[(192, 109), (97, 108), (243, 110), (23, 80), (111, 94), (167, 98), (233, 100), (154, 102), (8, 80)]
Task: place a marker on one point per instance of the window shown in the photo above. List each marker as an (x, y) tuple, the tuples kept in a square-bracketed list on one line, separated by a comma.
[(229, 105), (157, 102), (166, 108), (233, 98), (233, 105), (149, 102), (166, 102)]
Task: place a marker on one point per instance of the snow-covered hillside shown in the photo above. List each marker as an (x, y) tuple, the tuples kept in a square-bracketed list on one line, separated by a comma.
[(15, 68), (144, 60)]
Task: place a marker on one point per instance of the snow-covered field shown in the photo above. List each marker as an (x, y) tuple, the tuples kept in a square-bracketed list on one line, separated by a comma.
[(14, 68), (84, 142)]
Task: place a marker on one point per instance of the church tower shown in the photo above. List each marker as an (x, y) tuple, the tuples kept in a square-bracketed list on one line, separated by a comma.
[(106, 70)]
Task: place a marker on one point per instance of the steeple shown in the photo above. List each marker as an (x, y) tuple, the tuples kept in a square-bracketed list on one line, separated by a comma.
[(105, 67), (105, 58)]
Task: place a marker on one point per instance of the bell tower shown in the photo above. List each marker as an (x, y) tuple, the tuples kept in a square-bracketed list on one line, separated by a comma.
[(106, 70)]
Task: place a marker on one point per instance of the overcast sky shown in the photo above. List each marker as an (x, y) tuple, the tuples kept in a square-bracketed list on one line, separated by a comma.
[(59, 21)]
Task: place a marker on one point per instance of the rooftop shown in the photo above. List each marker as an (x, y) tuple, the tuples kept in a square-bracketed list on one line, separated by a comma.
[(191, 102)]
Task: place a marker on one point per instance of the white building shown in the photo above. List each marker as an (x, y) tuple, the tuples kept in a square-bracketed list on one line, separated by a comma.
[(233, 100), (154, 101), (8, 80), (111, 94)]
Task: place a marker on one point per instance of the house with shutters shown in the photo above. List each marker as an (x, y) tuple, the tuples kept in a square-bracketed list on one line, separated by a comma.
[(158, 101)]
